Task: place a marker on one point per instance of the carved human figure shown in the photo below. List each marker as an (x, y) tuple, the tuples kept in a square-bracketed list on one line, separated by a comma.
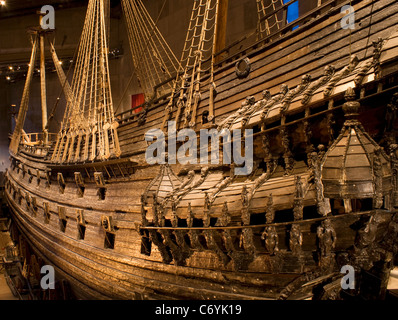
[(246, 241), (270, 236), (299, 188), (327, 238), (296, 239)]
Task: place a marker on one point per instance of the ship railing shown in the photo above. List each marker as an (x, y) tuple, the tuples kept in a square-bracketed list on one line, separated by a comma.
[(37, 143)]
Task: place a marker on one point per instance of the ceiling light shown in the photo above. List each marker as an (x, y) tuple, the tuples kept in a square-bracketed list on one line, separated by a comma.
[(2, 2), (10, 67)]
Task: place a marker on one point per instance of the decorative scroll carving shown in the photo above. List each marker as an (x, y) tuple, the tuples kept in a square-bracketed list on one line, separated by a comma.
[(270, 236), (189, 187), (262, 179), (375, 63), (221, 186), (296, 239), (327, 75), (305, 81), (246, 106), (266, 96), (340, 75), (275, 99)]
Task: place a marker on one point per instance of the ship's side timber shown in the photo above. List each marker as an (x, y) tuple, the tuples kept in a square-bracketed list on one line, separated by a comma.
[(124, 273)]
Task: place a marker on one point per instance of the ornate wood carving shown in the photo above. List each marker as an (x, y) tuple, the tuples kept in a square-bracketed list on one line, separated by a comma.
[(308, 93), (193, 234), (275, 99), (245, 207), (375, 62), (107, 223), (378, 179), (214, 246), (225, 219), (246, 241), (295, 239), (270, 211), (305, 81), (287, 155), (326, 242), (270, 236), (340, 75), (156, 238)]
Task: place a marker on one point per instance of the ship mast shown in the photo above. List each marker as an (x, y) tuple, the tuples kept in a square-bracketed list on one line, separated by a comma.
[(38, 35), (43, 84)]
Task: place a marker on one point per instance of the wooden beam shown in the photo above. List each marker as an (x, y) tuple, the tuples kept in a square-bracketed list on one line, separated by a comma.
[(221, 28)]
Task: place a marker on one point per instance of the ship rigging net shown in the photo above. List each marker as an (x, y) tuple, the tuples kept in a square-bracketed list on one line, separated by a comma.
[(196, 61), (88, 130), (269, 19), (154, 61)]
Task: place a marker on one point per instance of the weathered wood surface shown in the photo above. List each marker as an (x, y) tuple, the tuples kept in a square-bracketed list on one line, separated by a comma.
[(308, 52)]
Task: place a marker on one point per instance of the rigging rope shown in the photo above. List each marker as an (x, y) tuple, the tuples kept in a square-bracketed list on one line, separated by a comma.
[(89, 123), (197, 57), (153, 59)]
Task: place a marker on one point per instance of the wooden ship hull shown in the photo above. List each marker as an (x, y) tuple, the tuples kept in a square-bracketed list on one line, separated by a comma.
[(322, 195)]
